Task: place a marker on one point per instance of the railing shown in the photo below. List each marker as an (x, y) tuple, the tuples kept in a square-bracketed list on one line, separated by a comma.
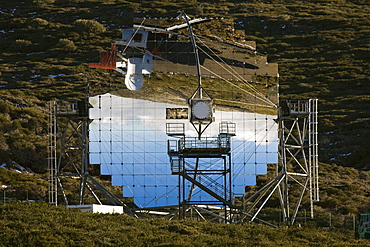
[(176, 165), (298, 106), (66, 107), (204, 143), (227, 128), (72, 108), (175, 129), (194, 144), (173, 146)]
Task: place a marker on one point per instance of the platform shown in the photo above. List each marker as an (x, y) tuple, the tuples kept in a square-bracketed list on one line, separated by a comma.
[(204, 147)]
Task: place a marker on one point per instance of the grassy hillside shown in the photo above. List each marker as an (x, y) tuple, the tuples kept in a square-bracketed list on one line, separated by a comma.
[(321, 48), (322, 51), (38, 224)]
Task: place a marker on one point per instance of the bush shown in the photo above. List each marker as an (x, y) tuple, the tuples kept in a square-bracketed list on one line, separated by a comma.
[(43, 1), (38, 23), (22, 45), (89, 26), (66, 45)]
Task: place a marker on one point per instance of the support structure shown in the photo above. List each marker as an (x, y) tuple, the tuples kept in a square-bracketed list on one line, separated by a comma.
[(203, 163), (69, 153), (298, 162)]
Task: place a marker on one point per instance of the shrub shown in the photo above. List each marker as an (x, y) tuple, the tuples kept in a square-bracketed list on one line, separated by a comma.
[(23, 42), (66, 45), (22, 45), (43, 1), (89, 26), (38, 23)]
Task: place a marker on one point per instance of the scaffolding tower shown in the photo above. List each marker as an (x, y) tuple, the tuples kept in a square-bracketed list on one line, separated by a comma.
[(69, 153), (203, 175), (298, 162)]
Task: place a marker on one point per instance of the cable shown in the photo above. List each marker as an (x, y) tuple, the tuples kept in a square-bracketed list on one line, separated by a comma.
[(261, 96), (132, 37)]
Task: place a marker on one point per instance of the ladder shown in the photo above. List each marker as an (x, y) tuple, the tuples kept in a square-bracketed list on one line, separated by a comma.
[(313, 155), (52, 154)]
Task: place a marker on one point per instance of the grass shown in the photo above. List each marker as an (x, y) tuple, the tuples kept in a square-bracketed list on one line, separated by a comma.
[(343, 194), (20, 226), (321, 48)]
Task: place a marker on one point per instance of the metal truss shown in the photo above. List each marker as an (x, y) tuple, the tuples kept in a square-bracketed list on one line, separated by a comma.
[(69, 153), (186, 155), (298, 163)]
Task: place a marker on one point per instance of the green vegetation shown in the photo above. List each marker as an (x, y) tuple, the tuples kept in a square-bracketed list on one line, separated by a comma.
[(322, 50), (344, 193), (23, 186), (320, 46), (39, 224)]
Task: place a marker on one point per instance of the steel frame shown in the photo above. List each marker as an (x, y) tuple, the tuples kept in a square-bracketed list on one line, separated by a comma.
[(298, 162), (218, 149), (69, 153)]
